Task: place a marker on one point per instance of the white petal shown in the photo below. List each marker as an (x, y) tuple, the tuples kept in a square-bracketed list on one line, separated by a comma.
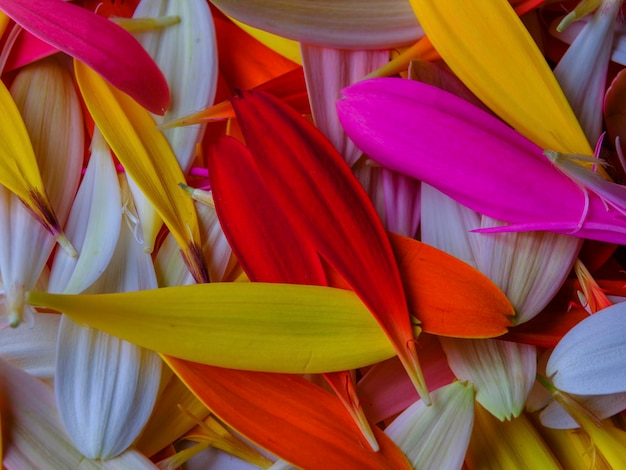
[(93, 226), (327, 72), (186, 53), (45, 95), (582, 71), (502, 372), (36, 438), (590, 358), (436, 436), (32, 349), (602, 406), (106, 388)]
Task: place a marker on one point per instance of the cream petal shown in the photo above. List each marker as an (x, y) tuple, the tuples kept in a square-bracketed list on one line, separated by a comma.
[(502, 372), (436, 436), (93, 226)]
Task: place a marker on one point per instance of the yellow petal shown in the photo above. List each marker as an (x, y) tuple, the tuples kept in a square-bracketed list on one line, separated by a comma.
[(251, 326), (148, 159), (288, 48), (18, 166), (513, 79)]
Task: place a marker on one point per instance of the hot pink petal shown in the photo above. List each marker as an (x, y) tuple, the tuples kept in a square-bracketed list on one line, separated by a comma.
[(472, 157)]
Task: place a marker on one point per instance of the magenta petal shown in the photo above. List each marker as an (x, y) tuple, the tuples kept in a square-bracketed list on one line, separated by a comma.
[(471, 156), (102, 45)]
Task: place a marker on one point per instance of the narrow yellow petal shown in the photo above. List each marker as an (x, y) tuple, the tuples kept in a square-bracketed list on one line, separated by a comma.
[(148, 159), (251, 326), (488, 47)]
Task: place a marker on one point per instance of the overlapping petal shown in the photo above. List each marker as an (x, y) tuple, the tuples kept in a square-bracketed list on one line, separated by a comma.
[(525, 93), (345, 24), (319, 436), (462, 147), (97, 42), (149, 160), (248, 325)]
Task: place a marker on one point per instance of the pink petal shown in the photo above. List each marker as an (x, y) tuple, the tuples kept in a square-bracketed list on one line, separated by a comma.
[(102, 45), (472, 157)]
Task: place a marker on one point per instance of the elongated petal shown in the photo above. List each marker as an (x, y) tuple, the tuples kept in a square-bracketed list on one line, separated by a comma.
[(52, 118), (436, 436), (19, 170), (385, 117), (248, 325), (106, 387), (94, 224), (502, 373), (187, 55), (97, 42), (321, 434), (582, 71), (148, 159), (321, 197), (345, 24), (587, 358), (535, 106)]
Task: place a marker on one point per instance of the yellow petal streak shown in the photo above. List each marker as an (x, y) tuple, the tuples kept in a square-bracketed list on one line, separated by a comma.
[(147, 157), (251, 326), (488, 47)]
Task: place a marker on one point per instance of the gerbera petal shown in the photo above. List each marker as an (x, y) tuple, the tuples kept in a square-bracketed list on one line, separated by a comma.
[(321, 198), (586, 359), (347, 24), (187, 55), (19, 171), (535, 106), (335, 330), (327, 72), (436, 436), (502, 373), (93, 226), (385, 117), (321, 434), (97, 42), (148, 159)]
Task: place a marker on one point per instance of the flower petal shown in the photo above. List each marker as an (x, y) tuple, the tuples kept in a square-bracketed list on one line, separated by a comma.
[(148, 159), (249, 325), (535, 105), (345, 24), (436, 436), (97, 42), (321, 434), (385, 117), (93, 226), (587, 358)]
